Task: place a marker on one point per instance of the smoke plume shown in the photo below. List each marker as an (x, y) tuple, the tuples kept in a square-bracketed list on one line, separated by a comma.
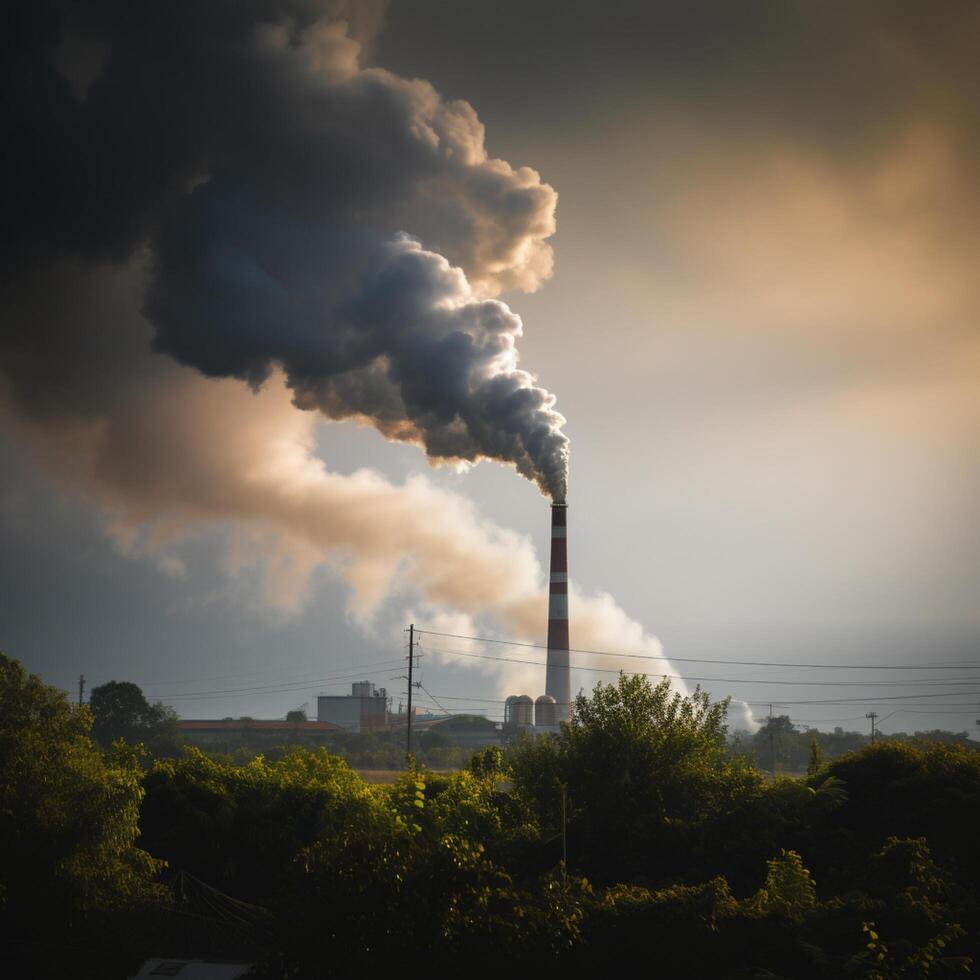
[(169, 455), (276, 182), (199, 196)]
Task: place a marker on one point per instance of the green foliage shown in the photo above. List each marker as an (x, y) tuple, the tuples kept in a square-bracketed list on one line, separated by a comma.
[(794, 750), (120, 711), (384, 750), (789, 890), (68, 822), (418, 861), (296, 863), (240, 827), (907, 790), (642, 766), (681, 923), (536, 767), (488, 763), (915, 927), (816, 757)]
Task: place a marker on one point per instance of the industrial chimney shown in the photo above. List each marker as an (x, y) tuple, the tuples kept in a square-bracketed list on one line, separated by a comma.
[(558, 684)]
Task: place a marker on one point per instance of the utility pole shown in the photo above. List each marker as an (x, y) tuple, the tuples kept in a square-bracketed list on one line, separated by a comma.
[(872, 715), (564, 838), (411, 661), (772, 746), (81, 689)]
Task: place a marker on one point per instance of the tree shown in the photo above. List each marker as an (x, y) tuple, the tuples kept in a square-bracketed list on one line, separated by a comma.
[(294, 717), (488, 763), (816, 757), (121, 711), (642, 765), (72, 877)]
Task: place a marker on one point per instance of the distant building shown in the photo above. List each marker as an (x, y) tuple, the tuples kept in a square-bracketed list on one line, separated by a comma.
[(470, 731), (229, 733), (365, 709)]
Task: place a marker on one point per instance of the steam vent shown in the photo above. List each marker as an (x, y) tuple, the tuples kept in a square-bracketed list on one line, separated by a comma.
[(558, 684)]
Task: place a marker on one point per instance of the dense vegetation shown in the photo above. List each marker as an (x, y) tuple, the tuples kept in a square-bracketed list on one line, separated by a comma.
[(782, 747), (677, 851)]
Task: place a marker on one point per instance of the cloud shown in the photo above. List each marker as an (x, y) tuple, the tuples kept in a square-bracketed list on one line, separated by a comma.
[(274, 184), (214, 197)]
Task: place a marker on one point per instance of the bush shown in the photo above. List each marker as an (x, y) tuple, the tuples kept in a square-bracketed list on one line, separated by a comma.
[(72, 881)]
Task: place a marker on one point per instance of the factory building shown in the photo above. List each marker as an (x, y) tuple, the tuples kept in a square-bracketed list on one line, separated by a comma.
[(365, 709), (228, 734)]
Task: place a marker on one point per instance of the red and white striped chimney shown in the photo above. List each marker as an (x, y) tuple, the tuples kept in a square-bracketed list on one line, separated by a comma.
[(558, 683)]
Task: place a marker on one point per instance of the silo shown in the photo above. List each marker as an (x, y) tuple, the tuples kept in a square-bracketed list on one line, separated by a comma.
[(509, 711), (545, 712), (522, 712)]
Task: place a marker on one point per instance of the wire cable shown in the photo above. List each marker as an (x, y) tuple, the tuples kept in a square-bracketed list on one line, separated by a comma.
[(724, 680), (699, 660)]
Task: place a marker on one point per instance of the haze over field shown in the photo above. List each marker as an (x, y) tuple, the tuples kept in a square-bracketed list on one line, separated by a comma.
[(255, 263)]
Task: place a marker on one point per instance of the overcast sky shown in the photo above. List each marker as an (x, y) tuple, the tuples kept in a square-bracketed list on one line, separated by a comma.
[(755, 302)]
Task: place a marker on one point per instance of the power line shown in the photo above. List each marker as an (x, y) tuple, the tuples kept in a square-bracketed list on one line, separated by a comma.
[(874, 700), (699, 660), (310, 677), (898, 711), (912, 711), (270, 688), (150, 682), (438, 705), (724, 680)]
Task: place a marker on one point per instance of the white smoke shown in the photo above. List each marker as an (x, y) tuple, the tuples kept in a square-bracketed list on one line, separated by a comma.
[(331, 234), (179, 455)]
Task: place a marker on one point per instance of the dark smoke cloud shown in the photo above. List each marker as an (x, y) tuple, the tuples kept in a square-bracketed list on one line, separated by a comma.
[(408, 346), (272, 184)]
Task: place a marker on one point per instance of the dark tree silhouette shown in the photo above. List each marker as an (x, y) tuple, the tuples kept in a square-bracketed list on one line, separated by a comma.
[(121, 711)]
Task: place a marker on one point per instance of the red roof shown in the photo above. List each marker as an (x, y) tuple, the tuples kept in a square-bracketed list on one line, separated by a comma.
[(240, 724)]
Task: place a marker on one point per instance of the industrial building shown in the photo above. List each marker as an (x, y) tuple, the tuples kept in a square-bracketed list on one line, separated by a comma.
[(368, 708), (365, 709), (227, 734)]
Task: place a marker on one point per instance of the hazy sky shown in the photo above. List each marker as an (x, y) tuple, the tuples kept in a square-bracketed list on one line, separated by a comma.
[(761, 325)]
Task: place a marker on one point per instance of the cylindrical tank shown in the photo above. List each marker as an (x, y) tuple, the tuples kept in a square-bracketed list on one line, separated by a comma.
[(509, 711), (545, 711), (522, 712)]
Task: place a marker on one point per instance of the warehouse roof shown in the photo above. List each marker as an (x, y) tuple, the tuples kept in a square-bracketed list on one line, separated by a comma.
[(236, 724)]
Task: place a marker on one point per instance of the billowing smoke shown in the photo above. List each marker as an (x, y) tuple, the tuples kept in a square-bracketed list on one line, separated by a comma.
[(409, 348), (276, 182), (170, 455), (198, 195)]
